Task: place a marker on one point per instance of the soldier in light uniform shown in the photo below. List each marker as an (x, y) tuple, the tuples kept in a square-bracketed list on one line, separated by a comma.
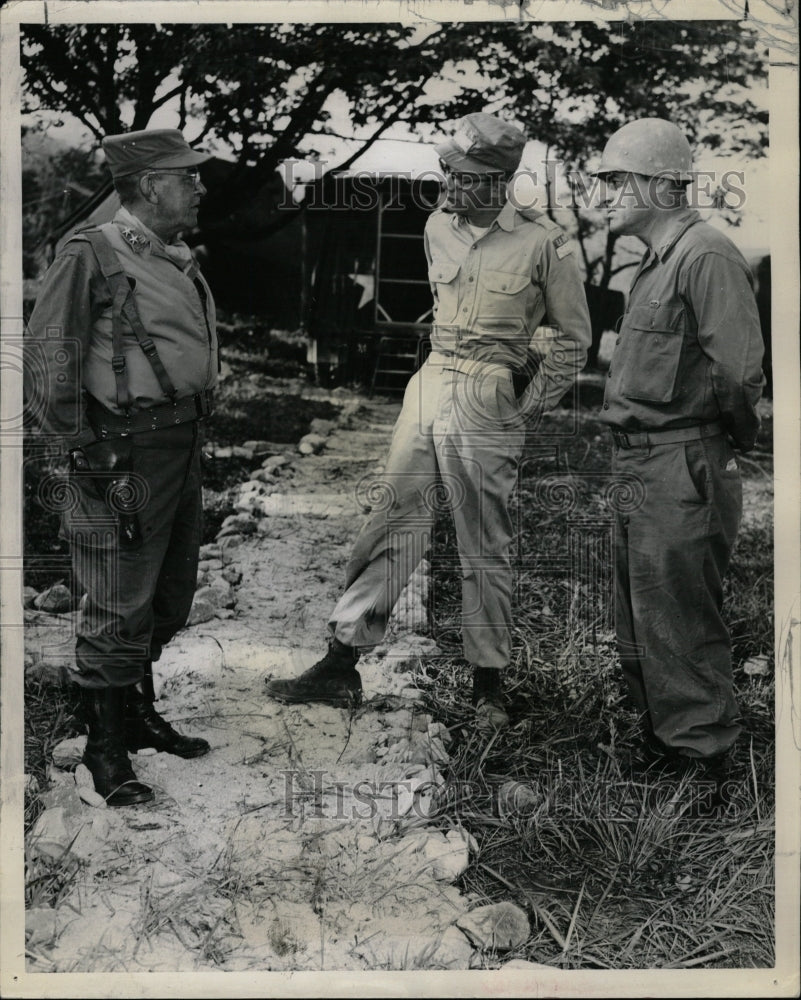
[(681, 396), (121, 360), (496, 274)]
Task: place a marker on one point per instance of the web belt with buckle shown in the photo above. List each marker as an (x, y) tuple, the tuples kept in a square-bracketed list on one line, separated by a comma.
[(107, 424), (672, 435)]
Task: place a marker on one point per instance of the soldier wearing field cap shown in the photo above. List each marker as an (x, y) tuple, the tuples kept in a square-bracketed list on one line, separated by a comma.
[(496, 274), (121, 361), (681, 399)]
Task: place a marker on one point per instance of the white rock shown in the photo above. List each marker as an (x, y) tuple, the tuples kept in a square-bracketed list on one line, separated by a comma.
[(55, 600), (454, 950), (50, 836), (274, 463), (436, 752), (222, 590), (241, 451), (203, 608), (209, 565), (56, 777), (83, 777), (311, 444), (223, 452), (92, 798), (64, 796), (757, 666), (210, 551), (460, 835), (233, 574), (28, 597), (257, 447), (498, 926), (68, 753), (263, 476), (228, 545), (448, 859), (439, 731), (321, 426), (237, 524)]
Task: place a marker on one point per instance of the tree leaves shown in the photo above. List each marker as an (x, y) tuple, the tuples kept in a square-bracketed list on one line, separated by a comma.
[(264, 88)]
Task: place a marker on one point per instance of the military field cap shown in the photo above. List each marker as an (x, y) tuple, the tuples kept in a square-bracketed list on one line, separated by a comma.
[(162, 148), (483, 143)]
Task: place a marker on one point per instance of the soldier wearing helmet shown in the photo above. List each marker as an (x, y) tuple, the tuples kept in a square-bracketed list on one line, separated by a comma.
[(681, 396)]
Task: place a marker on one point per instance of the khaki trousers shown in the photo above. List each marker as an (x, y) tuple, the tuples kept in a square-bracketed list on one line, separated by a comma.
[(456, 444)]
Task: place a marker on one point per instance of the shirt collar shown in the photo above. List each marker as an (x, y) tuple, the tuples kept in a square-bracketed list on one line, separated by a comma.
[(178, 252), (682, 222), (505, 219)]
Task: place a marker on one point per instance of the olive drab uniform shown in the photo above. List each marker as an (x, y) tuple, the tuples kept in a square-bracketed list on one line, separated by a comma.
[(462, 420), (684, 381), (124, 360)]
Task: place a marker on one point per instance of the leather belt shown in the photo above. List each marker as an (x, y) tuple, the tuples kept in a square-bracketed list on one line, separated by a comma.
[(672, 435), (107, 424)]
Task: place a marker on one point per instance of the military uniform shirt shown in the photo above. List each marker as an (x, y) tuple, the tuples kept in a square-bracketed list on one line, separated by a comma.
[(492, 292), (70, 329), (690, 344)]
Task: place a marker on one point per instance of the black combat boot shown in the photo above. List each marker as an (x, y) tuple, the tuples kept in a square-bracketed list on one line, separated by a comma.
[(144, 727), (488, 700), (105, 756), (333, 680)]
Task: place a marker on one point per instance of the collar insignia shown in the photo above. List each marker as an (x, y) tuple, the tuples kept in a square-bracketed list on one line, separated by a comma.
[(136, 241)]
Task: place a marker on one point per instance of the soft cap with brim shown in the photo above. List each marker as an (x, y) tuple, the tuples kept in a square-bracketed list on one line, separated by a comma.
[(150, 149), (483, 144)]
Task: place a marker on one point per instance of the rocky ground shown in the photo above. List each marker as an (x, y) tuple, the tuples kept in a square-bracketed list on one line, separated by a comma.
[(303, 840)]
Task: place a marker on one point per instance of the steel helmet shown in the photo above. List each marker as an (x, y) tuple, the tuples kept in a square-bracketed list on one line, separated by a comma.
[(649, 146)]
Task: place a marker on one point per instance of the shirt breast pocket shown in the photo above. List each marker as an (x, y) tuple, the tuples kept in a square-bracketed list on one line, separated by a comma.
[(442, 274), (500, 294), (653, 353)]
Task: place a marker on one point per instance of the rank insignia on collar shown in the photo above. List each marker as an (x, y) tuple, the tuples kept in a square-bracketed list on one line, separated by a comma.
[(136, 241)]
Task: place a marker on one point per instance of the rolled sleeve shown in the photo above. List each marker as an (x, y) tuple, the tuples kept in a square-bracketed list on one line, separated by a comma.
[(730, 335)]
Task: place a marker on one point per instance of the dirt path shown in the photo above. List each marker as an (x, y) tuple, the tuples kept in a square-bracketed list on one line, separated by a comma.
[(301, 841)]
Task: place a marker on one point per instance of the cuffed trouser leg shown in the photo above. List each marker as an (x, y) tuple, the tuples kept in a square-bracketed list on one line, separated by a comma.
[(671, 555), (138, 599)]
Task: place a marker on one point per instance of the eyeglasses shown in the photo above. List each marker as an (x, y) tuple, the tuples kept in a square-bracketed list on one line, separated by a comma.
[(466, 178), (187, 176)]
